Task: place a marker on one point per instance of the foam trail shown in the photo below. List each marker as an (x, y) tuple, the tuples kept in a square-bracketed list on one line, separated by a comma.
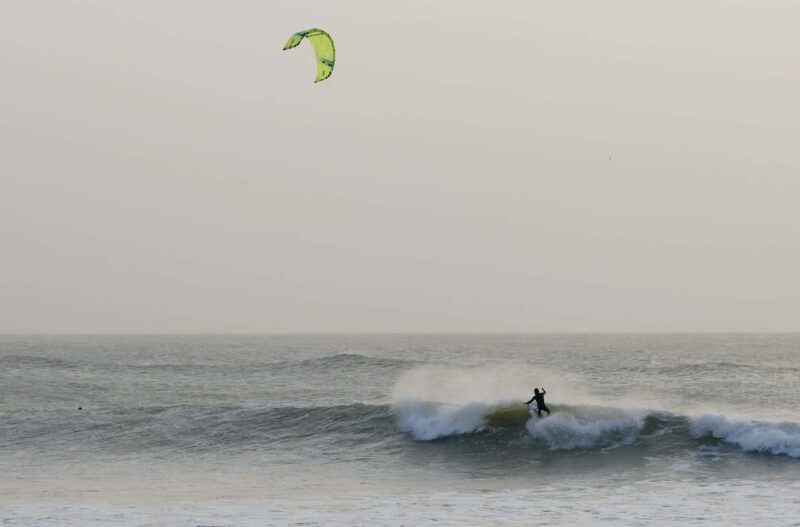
[(751, 436), (588, 428)]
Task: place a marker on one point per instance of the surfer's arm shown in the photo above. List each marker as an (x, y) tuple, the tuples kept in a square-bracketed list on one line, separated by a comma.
[(532, 398)]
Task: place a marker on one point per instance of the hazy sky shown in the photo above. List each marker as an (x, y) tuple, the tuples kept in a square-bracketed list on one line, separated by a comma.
[(470, 166)]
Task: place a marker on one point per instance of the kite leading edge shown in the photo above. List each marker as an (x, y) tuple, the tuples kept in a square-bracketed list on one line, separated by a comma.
[(323, 49)]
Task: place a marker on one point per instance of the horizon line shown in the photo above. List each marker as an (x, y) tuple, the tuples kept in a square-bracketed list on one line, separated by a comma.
[(378, 333)]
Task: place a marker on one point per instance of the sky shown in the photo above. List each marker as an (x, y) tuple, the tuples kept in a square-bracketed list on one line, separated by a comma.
[(470, 166)]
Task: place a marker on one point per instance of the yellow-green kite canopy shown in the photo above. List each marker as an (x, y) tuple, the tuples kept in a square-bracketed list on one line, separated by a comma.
[(323, 48)]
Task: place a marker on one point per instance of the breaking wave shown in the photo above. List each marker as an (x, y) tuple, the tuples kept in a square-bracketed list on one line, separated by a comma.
[(426, 421), (428, 406), (596, 427), (403, 427), (751, 436), (584, 428), (568, 428)]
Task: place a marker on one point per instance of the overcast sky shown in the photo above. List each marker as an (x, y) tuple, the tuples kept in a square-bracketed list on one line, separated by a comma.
[(470, 166)]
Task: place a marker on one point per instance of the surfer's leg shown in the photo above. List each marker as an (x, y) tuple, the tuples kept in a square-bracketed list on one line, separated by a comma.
[(539, 411)]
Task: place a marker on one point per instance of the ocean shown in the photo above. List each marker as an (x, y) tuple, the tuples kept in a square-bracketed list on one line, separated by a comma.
[(255, 430)]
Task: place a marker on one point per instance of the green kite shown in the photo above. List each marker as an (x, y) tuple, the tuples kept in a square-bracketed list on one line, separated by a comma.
[(323, 48)]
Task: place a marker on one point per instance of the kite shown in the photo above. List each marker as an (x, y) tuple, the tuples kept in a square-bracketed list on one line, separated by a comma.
[(323, 49)]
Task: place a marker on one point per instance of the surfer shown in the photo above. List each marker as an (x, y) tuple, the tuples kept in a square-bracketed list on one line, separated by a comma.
[(539, 398)]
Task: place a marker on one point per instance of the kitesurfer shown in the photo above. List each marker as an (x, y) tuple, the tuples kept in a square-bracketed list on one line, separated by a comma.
[(539, 398)]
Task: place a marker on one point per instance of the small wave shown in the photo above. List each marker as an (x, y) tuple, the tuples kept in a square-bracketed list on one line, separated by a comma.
[(193, 428), (751, 436), (34, 361)]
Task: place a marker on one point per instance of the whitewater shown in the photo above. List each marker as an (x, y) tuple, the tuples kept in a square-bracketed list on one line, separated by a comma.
[(399, 430)]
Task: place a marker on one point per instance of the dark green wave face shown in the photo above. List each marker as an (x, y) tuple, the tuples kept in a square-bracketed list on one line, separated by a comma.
[(323, 49), (509, 416)]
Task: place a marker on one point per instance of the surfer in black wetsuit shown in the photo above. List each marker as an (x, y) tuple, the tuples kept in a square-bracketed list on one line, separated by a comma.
[(539, 398)]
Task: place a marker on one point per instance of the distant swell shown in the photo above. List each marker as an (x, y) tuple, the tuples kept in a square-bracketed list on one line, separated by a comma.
[(338, 362), (723, 367), (342, 361), (192, 428)]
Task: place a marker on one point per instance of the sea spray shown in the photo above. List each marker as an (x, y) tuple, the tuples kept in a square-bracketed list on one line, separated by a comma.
[(460, 385)]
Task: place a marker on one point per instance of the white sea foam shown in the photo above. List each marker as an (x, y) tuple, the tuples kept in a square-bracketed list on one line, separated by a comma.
[(588, 428), (426, 421), (751, 436)]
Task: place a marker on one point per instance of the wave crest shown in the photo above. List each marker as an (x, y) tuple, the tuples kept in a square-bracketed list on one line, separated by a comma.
[(426, 420), (589, 428), (751, 436)]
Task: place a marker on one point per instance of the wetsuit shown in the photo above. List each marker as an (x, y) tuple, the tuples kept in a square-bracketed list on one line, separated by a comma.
[(539, 398)]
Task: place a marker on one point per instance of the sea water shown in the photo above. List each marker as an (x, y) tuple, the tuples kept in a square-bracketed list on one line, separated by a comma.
[(397, 430)]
